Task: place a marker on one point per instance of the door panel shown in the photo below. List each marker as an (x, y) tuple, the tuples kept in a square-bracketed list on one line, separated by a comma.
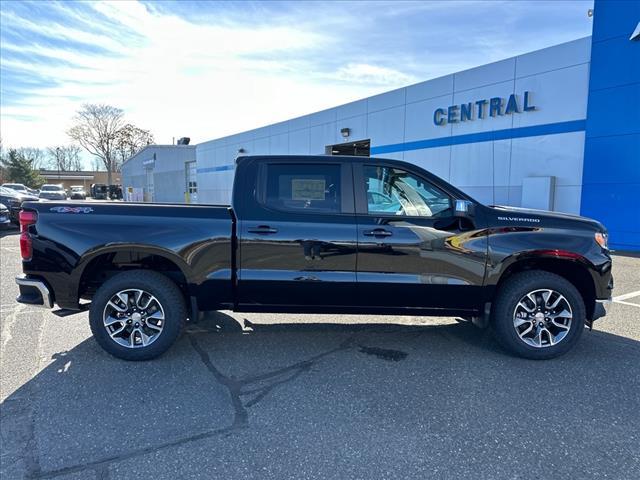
[(406, 259), (299, 245)]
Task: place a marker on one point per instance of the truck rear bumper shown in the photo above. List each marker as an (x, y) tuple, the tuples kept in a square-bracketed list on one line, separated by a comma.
[(33, 292)]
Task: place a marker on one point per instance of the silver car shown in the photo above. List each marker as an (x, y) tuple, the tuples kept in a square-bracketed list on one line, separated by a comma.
[(53, 192)]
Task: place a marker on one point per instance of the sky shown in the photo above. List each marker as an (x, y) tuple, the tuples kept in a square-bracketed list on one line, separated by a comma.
[(208, 69)]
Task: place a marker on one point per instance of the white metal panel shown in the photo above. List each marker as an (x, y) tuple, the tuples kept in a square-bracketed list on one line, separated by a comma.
[(480, 164), (320, 136), (299, 123), (485, 75), (435, 160), (261, 146), (387, 126), (419, 119), (488, 123), (279, 144), (567, 199), (537, 192), (279, 128), (559, 96), (430, 89), (553, 58), (559, 155), (387, 100), (352, 109), (322, 117), (356, 125), (299, 142)]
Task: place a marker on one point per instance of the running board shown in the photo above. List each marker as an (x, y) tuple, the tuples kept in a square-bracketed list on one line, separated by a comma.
[(65, 312)]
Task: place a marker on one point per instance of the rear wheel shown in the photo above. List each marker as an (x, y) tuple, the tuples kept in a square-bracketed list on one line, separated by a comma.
[(137, 315), (538, 315)]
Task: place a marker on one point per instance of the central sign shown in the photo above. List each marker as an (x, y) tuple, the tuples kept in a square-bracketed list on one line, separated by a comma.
[(496, 106)]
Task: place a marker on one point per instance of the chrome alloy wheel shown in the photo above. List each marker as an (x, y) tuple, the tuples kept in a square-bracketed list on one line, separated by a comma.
[(542, 318), (133, 318)]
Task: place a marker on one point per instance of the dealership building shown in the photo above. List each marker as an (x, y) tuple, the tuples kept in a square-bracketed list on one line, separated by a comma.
[(556, 129)]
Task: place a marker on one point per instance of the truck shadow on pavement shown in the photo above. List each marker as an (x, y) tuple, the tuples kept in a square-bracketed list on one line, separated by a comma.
[(225, 385)]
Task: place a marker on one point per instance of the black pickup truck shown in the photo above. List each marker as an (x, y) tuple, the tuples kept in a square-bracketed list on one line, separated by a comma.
[(318, 234)]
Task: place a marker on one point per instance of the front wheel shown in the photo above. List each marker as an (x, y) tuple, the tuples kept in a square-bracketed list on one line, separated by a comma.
[(538, 315), (137, 315)]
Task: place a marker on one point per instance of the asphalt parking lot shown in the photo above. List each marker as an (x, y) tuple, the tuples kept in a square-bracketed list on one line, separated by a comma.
[(317, 396)]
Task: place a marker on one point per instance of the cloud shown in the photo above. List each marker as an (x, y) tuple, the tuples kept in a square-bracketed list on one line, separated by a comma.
[(208, 69)]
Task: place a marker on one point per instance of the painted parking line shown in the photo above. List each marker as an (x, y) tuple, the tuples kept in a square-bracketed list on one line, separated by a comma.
[(621, 298)]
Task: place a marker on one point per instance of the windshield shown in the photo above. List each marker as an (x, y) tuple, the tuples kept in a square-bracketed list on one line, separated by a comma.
[(7, 191), (15, 186), (51, 188)]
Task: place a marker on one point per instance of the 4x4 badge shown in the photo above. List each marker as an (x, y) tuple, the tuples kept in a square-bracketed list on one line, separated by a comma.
[(71, 209)]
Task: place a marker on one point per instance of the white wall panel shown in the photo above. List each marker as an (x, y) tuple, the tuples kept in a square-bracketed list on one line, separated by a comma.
[(299, 142), (320, 136), (499, 122), (352, 109), (435, 160), (559, 96), (558, 155), (261, 146), (299, 123), (485, 75), (322, 117), (357, 125), (480, 164), (567, 199), (430, 89), (553, 58), (386, 126), (279, 144), (383, 101), (419, 119)]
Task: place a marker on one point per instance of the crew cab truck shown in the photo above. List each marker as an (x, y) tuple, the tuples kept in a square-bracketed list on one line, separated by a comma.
[(318, 234)]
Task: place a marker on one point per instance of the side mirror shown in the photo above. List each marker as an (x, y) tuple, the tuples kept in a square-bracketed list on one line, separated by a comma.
[(464, 208)]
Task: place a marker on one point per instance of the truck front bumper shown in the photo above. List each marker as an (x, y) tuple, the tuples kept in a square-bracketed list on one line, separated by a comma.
[(33, 292)]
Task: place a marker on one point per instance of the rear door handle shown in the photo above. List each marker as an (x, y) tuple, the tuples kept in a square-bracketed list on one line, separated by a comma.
[(378, 232), (262, 229)]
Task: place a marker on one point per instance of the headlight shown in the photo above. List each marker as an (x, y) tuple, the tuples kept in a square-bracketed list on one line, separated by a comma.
[(602, 239)]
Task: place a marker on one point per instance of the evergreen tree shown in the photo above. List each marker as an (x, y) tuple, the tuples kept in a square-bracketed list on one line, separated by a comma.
[(18, 169)]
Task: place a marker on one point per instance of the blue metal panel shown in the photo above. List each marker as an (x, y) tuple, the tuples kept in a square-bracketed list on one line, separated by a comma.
[(604, 152), (618, 63), (612, 146), (614, 18)]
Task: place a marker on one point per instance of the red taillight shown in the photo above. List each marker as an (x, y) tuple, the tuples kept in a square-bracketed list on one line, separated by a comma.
[(26, 218)]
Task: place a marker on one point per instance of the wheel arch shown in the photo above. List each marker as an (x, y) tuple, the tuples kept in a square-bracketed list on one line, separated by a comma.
[(572, 267), (97, 266)]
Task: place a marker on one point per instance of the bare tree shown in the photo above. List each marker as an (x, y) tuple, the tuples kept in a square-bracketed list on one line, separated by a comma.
[(35, 155), (65, 158), (96, 129), (130, 140)]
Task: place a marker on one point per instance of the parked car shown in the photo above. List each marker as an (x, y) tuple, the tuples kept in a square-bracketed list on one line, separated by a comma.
[(53, 192), (99, 191), (115, 192), (18, 187), (303, 235), (5, 217), (78, 192), (13, 200)]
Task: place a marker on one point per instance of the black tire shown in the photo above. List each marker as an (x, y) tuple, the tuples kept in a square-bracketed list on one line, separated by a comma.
[(516, 287), (165, 291)]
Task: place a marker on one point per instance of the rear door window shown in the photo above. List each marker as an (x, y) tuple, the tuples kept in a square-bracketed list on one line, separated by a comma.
[(303, 187)]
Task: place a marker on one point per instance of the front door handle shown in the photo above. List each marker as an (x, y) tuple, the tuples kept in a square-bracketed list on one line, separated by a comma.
[(262, 229), (378, 232)]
